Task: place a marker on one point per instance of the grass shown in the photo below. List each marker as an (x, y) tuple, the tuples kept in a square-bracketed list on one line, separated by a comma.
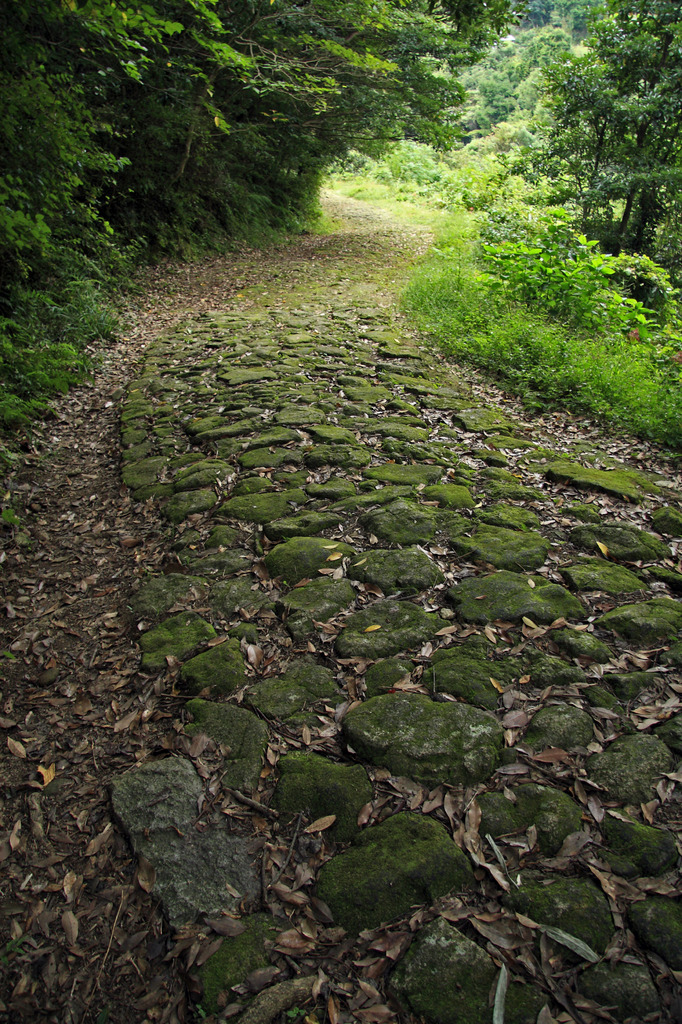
[(547, 364)]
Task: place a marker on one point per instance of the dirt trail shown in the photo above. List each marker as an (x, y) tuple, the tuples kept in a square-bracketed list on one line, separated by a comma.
[(274, 422)]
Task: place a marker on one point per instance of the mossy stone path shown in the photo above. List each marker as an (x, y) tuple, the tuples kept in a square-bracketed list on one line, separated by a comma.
[(375, 630)]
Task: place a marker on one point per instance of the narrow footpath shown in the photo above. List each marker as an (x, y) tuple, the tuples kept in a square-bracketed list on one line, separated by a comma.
[(339, 691)]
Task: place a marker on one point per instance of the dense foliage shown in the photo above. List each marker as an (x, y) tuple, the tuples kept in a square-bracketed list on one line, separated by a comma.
[(178, 123), (614, 148)]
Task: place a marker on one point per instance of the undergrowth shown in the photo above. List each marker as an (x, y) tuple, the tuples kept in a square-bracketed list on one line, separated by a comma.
[(511, 289)]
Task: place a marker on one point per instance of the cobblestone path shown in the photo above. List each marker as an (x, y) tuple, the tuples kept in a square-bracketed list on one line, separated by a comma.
[(428, 663)]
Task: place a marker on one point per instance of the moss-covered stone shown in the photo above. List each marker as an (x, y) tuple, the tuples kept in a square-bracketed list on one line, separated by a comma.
[(407, 570), (401, 522), (559, 725), (630, 767), (303, 557), (671, 578), (621, 483), (634, 849), (510, 517), (373, 496), (466, 672), (289, 697), (343, 456), (552, 811), (243, 738), (265, 506), (393, 473), (144, 473), (482, 420), (332, 490), (673, 656), (574, 905), (318, 786), (275, 437), (219, 670), (383, 675), (507, 595), (430, 742), (667, 520), (646, 621), (657, 923), (270, 458), (585, 513), (188, 503), (305, 524), (177, 637), (205, 871), (441, 952), (219, 561), (317, 601), (626, 989), (581, 644), (237, 958), (204, 473), (597, 574), (160, 594), (505, 549), (546, 670), (671, 733), (221, 536), (299, 416), (627, 685), (253, 485), (449, 495), (624, 542), (385, 628), (408, 859)]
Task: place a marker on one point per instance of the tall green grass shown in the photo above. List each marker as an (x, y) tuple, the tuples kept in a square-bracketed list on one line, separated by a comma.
[(544, 362)]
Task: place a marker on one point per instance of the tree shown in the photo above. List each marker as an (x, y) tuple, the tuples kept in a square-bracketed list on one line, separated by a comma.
[(615, 148)]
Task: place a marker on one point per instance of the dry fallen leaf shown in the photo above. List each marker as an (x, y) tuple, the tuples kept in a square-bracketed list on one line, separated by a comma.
[(47, 773), (146, 874), (70, 926), (372, 629), (320, 824), (18, 749)]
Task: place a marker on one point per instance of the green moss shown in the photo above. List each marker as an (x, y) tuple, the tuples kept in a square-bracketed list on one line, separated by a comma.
[(581, 644), (620, 483), (646, 621), (401, 522), (177, 637), (302, 557), (667, 520), (624, 542), (264, 507), (627, 989), (242, 736), (574, 905), (635, 849), (449, 495), (383, 675), (188, 503), (657, 923), (158, 595), (392, 473), (408, 570), (507, 595), (505, 549), (219, 670), (559, 725), (407, 860), (597, 574), (305, 524), (630, 767), (552, 812), (402, 627), (428, 741), (317, 786), (511, 517)]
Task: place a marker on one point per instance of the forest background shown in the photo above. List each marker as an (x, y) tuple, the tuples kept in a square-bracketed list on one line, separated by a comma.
[(543, 139)]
